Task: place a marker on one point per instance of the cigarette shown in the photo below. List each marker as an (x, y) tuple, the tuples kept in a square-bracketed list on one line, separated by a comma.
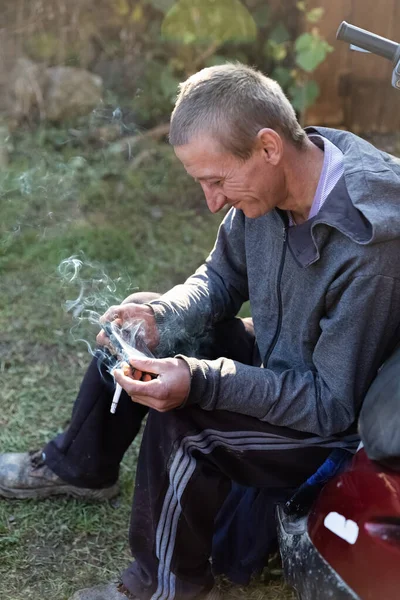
[(115, 400)]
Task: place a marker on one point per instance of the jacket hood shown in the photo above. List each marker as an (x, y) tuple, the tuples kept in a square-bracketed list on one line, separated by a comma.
[(372, 182), (364, 205)]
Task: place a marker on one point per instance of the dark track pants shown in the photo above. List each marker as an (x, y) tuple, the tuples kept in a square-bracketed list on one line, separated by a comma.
[(89, 452), (187, 461)]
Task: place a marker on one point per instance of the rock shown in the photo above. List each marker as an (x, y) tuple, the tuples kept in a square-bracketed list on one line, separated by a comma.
[(25, 90), (71, 92), (5, 146), (54, 93)]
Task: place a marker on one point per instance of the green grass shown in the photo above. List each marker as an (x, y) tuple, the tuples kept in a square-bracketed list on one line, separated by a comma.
[(143, 229)]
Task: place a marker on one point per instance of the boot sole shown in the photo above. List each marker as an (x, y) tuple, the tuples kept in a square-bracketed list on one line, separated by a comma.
[(67, 490)]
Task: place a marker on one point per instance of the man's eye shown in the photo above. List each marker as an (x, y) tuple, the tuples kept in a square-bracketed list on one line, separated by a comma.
[(219, 182)]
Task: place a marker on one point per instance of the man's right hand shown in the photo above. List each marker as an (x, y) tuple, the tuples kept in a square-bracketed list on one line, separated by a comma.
[(123, 314)]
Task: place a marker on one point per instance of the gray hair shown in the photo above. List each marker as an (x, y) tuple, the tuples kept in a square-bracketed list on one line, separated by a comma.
[(232, 102)]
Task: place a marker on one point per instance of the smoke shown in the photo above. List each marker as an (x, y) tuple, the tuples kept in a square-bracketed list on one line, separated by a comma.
[(39, 198), (53, 170), (96, 291)]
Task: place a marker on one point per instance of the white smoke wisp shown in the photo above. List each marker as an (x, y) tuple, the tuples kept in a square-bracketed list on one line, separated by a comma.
[(96, 292), (131, 340), (69, 268)]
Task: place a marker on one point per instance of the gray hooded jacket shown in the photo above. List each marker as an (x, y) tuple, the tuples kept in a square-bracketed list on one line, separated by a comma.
[(324, 296)]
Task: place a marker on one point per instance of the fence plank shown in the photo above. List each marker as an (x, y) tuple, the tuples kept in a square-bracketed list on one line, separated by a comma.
[(330, 108), (390, 103), (370, 74), (355, 88)]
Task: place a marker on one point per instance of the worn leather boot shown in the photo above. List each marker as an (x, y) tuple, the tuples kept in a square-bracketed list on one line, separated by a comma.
[(108, 591), (117, 591), (24, 475)]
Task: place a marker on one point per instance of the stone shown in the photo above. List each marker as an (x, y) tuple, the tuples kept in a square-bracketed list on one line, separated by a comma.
[(71, 92), (54, 93), (25, 90)]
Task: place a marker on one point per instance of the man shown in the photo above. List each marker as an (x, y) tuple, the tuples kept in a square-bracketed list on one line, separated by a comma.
[(312, 240)]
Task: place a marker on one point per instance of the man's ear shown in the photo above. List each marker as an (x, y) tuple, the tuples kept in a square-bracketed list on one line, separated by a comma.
[(271, 143)]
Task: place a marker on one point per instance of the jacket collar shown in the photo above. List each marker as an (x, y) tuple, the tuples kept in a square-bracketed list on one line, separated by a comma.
[(338, 211), (305, 240)]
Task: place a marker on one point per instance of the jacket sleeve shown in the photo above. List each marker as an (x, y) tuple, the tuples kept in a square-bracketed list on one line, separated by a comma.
[(357, 331), (215, 292)]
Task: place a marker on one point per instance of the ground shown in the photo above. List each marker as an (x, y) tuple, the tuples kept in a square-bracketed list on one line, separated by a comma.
[(60, 200)]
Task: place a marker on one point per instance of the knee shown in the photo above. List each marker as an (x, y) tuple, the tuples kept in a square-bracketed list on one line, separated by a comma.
[(141, 297)]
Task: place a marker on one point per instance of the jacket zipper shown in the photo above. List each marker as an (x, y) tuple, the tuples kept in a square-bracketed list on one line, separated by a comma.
[(279, 294)]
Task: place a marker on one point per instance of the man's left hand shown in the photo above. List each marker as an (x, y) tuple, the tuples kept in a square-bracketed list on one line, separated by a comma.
[(167, 391)]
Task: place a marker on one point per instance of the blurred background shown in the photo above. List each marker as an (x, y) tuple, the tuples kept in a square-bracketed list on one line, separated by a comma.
[(94, 205)]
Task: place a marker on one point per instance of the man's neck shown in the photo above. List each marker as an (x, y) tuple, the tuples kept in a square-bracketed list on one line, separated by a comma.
[(302, 176)]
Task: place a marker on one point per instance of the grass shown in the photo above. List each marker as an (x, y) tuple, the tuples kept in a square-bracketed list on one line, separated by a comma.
[(134, 229)]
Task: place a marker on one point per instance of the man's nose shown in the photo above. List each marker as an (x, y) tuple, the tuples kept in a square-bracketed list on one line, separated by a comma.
[(215, 199)]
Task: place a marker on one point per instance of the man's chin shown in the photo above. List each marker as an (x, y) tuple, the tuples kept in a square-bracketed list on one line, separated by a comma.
[(251, 212)]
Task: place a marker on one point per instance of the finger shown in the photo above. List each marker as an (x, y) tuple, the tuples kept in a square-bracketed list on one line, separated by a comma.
[(112, 313), (146, 377), (103, 340), (148, 365), (128, 371), (138, 388), (144, 400), (150, 402)]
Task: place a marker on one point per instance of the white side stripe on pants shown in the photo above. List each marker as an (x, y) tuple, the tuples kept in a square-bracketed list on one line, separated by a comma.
[(182, 469)]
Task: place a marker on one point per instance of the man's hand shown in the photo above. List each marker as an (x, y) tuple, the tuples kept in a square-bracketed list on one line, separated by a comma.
[(167, 391), (124, 313)]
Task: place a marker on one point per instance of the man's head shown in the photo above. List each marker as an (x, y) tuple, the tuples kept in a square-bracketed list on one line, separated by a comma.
[(229, 128)]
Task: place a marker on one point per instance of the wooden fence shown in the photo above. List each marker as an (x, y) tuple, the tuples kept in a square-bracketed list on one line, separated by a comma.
[(356, 91)]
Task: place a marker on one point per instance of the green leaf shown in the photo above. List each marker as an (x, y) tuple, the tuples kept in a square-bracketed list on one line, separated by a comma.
[(262, 15), (209, 21), (311, 51), (161, 5), (303, 41), (302, 6), (282, 75), (277, 52), (188, 37), (279, 34), (315, 15), (303, 95)]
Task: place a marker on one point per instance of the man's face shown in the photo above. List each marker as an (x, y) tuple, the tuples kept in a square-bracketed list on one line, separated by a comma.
[(254, 186)]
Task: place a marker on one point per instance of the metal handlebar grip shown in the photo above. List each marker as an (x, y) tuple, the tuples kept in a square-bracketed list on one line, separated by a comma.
[(368, 41)]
